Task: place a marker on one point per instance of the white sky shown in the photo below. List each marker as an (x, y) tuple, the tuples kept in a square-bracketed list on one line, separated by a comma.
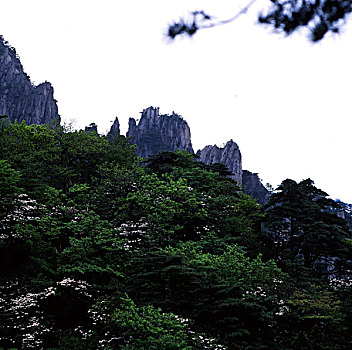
[(285, 101)]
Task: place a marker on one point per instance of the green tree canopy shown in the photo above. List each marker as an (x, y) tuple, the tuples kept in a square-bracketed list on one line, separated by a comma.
[(304, 229)]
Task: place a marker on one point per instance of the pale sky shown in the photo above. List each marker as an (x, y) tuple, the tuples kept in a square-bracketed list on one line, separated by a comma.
[(285, 101)]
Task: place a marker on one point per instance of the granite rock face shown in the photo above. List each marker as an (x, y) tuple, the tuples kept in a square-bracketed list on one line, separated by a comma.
[(253, 186), (228, 155), (19, 98), (156, 133), (115, 129)]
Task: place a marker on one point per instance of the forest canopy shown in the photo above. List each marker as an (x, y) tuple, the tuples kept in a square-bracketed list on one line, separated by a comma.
[(100, 249)]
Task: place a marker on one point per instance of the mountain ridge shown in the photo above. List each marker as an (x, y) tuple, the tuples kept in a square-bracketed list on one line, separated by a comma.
[(20, 99), (155, 133)]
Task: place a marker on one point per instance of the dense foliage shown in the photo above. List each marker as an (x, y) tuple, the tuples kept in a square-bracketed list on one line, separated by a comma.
[(285, 16), (100, 249), (320, 16)]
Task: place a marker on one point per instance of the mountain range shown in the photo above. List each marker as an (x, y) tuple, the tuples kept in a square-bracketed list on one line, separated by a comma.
[(21, 100)]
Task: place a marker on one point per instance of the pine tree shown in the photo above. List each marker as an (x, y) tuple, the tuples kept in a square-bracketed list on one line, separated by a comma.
[(304, 229)]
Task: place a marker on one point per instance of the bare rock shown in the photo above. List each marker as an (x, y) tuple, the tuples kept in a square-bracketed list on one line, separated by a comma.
[(156, 133), (229, 155), (19, 98), (253, 186), (115, 129)]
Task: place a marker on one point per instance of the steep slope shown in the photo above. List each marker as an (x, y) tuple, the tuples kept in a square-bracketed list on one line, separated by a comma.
[(115, 129), (253, 186), (19, 98), (155, 133), (228, 155)]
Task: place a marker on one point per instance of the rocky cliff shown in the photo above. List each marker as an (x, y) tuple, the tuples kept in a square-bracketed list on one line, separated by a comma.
[(115, 129), (228, 155), (155, 133), (253, 186), (19, 98)]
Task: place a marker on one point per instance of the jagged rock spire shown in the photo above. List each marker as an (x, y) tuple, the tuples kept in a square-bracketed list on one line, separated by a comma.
[(115, 128), (155, 133), (229, 155)]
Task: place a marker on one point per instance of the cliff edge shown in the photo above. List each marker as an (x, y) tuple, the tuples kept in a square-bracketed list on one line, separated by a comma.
[(156, 133), (228, 155), (19, 98)]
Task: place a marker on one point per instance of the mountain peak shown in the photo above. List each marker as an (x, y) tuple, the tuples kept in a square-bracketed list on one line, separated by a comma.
[(20, 99), (155, 133), (229, 155)]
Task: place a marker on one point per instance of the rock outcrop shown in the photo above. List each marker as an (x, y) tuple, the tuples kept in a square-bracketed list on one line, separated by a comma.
[(115, 129), (156, 133), (228, 155), (253, 186), (91, 128), (19, 98)]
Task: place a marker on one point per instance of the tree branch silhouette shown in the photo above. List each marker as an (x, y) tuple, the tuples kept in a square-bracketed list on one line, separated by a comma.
[(201, 20), (285, 16)]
